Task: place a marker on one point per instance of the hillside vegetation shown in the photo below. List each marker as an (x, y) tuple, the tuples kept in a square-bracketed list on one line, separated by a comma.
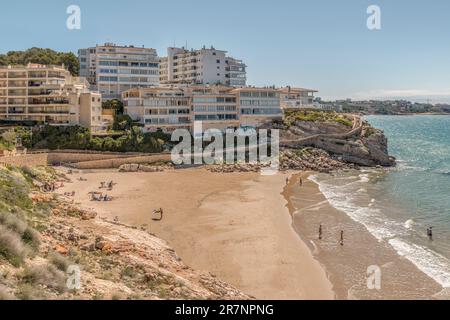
[(317, 116), (41, 56), (131, 140)]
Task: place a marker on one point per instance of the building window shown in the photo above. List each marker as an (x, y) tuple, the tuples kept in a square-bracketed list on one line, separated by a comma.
[(218, 61)]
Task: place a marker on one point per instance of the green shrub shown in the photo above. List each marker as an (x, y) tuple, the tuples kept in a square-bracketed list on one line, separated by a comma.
[(59, 261), (316, 116), (47, 275), (78, 138), (12, 247)]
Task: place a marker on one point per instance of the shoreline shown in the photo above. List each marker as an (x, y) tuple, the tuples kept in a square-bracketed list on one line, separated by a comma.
[(346, 266), (236, 226)]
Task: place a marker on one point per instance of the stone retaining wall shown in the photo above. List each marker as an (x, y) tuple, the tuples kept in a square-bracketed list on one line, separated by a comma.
[(117, 162), (55, 158), (40, 159), (81, 160)]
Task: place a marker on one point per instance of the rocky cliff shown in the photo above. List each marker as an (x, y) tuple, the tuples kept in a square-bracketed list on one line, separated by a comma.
[(346, 138)]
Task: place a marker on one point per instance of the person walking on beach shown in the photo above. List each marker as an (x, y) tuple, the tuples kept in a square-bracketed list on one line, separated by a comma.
[(320, 232), (430, 233), (342, 238), (301, 182), (287, 181)]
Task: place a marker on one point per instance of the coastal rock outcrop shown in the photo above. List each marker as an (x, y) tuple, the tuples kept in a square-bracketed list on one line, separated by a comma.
[(356, 142)]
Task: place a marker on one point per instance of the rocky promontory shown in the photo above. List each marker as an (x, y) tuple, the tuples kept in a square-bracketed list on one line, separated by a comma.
[(346, 138)]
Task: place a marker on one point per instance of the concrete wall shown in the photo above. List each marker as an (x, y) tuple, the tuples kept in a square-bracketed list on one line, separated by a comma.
[(81, 160), (40, 159), (117, 162), (56, 158)]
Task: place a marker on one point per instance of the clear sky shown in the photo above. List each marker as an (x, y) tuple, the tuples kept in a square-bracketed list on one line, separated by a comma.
[(322, 44)]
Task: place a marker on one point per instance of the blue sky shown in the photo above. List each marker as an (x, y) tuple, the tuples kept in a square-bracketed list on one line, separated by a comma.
[(322, 44)]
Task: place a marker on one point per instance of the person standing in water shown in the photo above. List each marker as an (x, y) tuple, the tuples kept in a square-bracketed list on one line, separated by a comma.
[(320, 232), (342, 238), (430, 233)]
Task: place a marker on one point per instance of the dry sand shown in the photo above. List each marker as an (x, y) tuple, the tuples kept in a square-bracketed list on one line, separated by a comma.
[(236, 226)]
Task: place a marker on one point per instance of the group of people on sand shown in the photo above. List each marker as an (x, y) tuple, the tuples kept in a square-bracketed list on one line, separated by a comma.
[(107, 185), (69, 194), (341, 239), (98, 196)]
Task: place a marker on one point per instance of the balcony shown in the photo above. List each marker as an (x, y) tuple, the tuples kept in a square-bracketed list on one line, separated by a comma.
[(16, 111), (17, 93), (37, 75), (17, 84), (47, 102), (47, 112), (17, 102), (56, 75), (41, 93), (17, 75)]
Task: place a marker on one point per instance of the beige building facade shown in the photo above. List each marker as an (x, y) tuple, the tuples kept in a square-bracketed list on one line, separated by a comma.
[(160, 108), (258, 105), (297, 98), (216, 107), (47, 94)]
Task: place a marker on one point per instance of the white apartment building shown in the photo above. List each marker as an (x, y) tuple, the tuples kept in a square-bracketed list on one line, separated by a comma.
[(47, 94), (164, 108), (113, 69), (215, 106), (236, 75), (297, 98), (204, 66), (258, 105)]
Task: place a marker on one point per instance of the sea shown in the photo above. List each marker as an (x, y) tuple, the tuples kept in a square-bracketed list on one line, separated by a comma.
[(398, 205)]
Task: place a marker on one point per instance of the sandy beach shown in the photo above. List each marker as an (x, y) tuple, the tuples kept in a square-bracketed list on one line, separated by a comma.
[(236, 226), (347, 265)]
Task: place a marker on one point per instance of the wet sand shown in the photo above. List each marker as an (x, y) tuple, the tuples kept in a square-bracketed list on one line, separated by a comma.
[(347, 265), (236, 226)]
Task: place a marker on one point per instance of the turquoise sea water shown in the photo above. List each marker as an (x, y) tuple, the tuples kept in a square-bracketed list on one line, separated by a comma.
[(399, 205)]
